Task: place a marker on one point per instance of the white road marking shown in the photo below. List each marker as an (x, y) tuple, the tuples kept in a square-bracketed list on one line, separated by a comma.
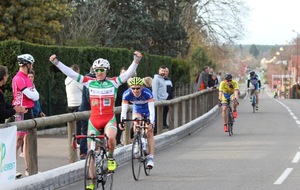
[(296, 158), (298, 122), (295, 117), (283, 176)]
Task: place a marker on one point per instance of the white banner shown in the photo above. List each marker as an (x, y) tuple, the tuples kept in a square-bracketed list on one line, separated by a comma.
[(8, 138)]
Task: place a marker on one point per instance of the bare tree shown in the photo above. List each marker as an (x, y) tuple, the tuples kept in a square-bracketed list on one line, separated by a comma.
[(215, 21), (90, 19)]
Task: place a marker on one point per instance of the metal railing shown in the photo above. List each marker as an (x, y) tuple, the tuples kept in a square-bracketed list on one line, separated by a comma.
[(181, 111)]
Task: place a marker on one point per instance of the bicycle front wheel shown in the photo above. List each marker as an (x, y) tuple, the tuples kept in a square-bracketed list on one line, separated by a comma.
[(136, 157), (89, 169), (229, 121)]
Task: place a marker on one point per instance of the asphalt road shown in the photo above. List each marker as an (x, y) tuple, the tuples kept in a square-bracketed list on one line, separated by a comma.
[(262, 154)]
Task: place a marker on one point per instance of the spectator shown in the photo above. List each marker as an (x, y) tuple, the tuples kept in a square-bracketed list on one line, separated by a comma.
[(24, 94), (170, 91), (118, 102), (36, 110), (148, 82), (203, 79), (159, 89), (74, 96), (85, 106), (6, 109)]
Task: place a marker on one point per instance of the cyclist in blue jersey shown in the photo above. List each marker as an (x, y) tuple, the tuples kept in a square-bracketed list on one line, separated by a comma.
[(254, 80), (143, 103)]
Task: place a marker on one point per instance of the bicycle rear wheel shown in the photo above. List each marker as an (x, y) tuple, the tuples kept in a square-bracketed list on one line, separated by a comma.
[(136, 157), (254, 103), (105, 178), (107, 183), (89, 169)]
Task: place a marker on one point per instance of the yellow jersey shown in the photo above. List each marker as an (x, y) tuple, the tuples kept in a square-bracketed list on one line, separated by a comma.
[(228, 89)]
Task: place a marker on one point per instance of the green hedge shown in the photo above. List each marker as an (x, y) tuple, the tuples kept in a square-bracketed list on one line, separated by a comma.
[(49, 80)]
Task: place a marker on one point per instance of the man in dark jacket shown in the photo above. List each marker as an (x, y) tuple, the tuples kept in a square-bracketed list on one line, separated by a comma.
[(118, 102), (170, 91), (85, 106), (6, 109)]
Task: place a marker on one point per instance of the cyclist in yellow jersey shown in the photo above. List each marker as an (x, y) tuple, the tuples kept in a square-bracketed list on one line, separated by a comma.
[(228, 89)]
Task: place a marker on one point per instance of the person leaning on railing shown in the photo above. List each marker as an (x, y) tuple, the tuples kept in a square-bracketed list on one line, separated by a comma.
[(7, 110)]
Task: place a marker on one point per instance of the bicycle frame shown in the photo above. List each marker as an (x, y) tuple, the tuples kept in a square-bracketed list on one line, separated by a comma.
[(96, 159), (139, 155)]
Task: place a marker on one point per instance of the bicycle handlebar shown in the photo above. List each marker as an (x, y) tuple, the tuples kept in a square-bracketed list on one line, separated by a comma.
[(93, 137)]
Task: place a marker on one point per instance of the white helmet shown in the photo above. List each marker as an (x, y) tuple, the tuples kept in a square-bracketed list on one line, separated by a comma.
[(25, 59), (102, 63)]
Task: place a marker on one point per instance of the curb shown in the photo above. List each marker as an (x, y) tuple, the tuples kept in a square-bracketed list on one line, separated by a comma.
[(70, 173)]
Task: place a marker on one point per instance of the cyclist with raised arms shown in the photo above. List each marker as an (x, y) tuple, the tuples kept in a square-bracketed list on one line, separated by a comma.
[(254, 80), (143, 103), (228, 89), (102, 92)]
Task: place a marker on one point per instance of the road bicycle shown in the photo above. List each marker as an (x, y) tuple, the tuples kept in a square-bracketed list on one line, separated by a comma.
[(95, 168), (230, 118), (139, 147), (253, 99)]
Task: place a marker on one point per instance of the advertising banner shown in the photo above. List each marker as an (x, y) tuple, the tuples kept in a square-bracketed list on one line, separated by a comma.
[(8, 137)]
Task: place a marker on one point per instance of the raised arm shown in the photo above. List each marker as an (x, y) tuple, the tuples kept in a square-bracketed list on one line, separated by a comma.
[(132, 68)]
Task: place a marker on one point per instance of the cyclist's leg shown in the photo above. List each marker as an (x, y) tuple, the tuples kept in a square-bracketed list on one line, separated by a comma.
[(257, 97), (111, 132), (224, 107)]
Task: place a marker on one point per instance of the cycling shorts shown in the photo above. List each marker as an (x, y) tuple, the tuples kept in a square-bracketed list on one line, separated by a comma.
[(99, 122), (28, 115)]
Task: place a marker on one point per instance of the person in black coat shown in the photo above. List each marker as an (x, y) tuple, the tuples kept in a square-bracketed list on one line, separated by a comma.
[(85, 106), (170, 90), (118, 102), (7, 110)]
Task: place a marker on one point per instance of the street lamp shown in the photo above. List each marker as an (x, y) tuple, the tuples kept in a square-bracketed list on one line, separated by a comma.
[(282, 85), (296, 63)]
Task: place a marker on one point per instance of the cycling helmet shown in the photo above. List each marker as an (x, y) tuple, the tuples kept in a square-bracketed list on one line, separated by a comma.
[(228, 76), (135, 81), (101, 63), (25, 59), (252, 73)]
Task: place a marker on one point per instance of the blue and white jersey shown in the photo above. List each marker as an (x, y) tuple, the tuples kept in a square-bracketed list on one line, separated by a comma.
[(254, 81), (140, 104)]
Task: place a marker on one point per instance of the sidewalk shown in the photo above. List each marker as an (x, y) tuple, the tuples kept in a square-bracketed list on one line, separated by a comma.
[(52, 153)]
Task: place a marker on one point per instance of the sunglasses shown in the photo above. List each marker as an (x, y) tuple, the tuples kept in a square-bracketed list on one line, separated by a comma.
[(135, 88), (229, 80), (100, 70)]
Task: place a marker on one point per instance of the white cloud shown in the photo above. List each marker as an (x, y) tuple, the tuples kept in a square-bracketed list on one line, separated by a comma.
[(271, 22)]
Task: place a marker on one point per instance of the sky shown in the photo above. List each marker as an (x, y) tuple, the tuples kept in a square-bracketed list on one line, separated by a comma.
[(270, 22)]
